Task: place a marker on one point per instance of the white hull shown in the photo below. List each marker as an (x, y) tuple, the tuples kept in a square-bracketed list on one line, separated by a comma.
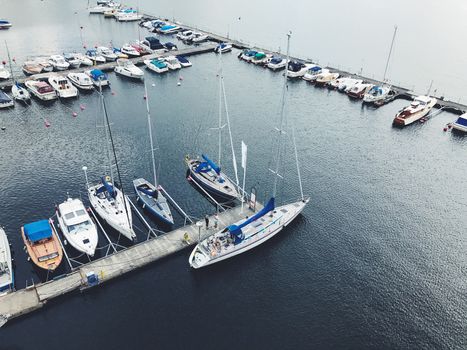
[(198, 257), (6, 268), (81, 81), (64, 88), (277, 66), (127, 73), (417, 115), (20, 94), (114, 214), (49, 96), (299, 74), (154, 68), (459, 127)]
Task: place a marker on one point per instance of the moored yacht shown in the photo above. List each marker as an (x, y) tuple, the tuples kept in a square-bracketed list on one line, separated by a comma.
[(277, 63), (107, 53), (223, 48), (378, 94), (184, 62), (168, 29), (20, 93), (126, 68), (58, 62), (64, 88), (95, 57), (81, 81), (72, 60), (313, 72), (247, 55), (77, 226), (359, 90), (41, 90), (129, 50), (4, 72), (172, 62), (42, 244), (5, 100), (296, 69), (419, 108), (461, 123), (156, 65), (98, 77), (326, 78), (199, 37), (185, 35), (152, 45), (6, 267)]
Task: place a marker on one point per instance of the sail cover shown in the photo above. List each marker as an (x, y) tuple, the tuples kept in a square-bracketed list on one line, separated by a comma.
[(236, 230), (97, 73), (36, 231), (107, 186), (207, 165)]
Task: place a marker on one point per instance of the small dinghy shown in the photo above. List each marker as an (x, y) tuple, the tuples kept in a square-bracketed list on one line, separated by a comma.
[(5, 100), (41, 90), (98, 77), (64, 88), (126, 68), (20, 93), (184, 62), (6, 268), (77, 226), (156, 65), (81, 81), (42, 244)]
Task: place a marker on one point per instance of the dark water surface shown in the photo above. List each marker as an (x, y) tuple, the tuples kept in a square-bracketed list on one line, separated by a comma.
[(376, 261)]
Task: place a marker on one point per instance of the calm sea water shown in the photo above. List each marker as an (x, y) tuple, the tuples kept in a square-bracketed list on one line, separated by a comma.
[(376, 261)]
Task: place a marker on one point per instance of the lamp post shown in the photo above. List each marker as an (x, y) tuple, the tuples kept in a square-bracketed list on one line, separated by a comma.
[(199, 224)]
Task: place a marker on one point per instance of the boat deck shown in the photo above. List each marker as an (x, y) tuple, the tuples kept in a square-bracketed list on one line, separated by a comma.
[(34, 297)]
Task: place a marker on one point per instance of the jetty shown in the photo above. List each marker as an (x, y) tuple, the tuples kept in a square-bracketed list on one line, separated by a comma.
[(96, 272)]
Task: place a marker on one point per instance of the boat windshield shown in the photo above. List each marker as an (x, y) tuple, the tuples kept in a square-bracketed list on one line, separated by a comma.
[(82, 226)]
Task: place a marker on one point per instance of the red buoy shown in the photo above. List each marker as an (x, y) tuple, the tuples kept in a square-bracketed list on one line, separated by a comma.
[(74, 114), (449, 126), (145, 97), (445, 129), (46, 122), (82, 107), (113, 92)]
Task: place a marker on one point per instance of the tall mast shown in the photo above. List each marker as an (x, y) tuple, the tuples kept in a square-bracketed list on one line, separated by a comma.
[(107, 141), (9, 60), (234, 159), (390, 52), (150, 135), (281, 123), (220, 107)]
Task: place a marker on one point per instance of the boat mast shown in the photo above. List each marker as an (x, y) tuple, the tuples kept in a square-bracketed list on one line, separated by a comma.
[(107, 141), (389, 55), (9, 60), (150, 136), (220, 107), (281, 123), (298, 165)]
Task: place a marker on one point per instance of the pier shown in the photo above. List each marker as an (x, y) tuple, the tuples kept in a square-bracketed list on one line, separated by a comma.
[(117, 264)]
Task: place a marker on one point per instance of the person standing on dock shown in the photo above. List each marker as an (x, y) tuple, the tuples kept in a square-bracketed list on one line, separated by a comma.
[(206, 218)]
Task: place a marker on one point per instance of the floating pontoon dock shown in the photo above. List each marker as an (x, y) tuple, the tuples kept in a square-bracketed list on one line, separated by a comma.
[(34, 297)]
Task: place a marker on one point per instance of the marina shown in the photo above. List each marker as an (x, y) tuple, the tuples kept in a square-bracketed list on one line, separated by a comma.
[(127, 203)]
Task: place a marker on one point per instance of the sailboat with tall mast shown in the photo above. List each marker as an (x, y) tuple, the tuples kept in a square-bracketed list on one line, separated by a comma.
[(205, 171), (150, 195), (380, 94), (18, 92), (270, 220), (109, 201)]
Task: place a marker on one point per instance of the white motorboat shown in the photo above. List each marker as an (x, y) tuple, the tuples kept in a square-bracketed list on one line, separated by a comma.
[(199, 37), (77, 226), (186, 35), (126, 68), (107, 53), (64, 88), (359, 90), (172, 62), (325, 78), (81, 81), (378, 94), (108, 202), (36, 66), (127, 15), (223, 48), (247, 55), (58, 62), (152, 45), (72, 60), (419, 108), (248, 233), (296, 69), (156, 65), (41, 90), (129, 50), (95, 57), (312, 73), (5, 100), (277, 63), (98, 78), (168, 29), (6, 266), (261, 59), (20, 93), (345, 84), (85, 61), (461, 123), (4, 72)]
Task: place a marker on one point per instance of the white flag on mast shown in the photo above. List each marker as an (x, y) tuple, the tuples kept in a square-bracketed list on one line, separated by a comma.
[(244, 152)]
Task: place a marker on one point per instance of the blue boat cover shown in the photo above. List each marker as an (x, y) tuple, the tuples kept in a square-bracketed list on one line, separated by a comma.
[(236, 230), (295, 66), (96, 74), (147, 191), (158, 64), (276, 60), (182, 59), (91, 52), (35, 231), (207, 165), (167, 27), (461, 121), (170, 45), (107, 186)]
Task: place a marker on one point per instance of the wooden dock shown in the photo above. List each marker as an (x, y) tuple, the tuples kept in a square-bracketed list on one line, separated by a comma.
[(34, 297)]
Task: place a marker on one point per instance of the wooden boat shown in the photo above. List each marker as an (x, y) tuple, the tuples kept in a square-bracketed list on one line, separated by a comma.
[(42, 244)]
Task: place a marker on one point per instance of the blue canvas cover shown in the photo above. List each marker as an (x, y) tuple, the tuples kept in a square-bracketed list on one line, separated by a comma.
[(167, 27), (107, 186), (276, 60), (236, 230), (295, 66), (207, 165), (158, 64), (461, 121), (36, 231), (91, 52), (96, 74), (182, 59), (315, 69)]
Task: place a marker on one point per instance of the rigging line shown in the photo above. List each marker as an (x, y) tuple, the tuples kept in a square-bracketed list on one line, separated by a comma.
[(116, 161), (150, 136), (234, 160)]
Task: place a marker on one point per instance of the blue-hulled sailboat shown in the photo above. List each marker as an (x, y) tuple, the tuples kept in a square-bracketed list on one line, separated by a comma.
[(149, 195), (270, 220)]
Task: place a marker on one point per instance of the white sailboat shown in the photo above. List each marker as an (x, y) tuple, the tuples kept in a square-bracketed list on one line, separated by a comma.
[(109, 201), (149, 195), (379, 94), (6, 268), (206, 172), (247, 234), (18, 92)]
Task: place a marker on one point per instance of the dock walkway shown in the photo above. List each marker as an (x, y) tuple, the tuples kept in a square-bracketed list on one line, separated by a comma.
[(34, 297)]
